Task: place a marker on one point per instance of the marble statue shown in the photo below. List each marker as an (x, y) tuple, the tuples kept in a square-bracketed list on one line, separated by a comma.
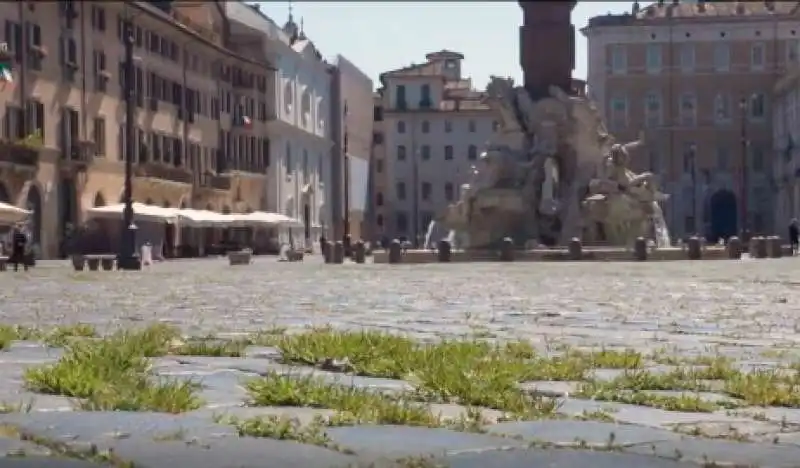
[(552, 172)]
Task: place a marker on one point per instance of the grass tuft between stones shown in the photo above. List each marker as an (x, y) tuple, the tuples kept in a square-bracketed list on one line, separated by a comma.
[(114, 373)]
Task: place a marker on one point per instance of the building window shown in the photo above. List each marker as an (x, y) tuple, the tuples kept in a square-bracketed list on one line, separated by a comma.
[(471, 126), (653, 112), (722, 108), (425, 101), (99, 136), (401, 126), (287, 160), (378, 166), (687, 58), (653, 58), (472, 152), (400, 189), (449, 193), (758, 106), (425, 152), (379, 199), (619, 60), (723, 158), (689, 151), (379, 220), (722, 57), (448, 153), (757, 59), (401, 221), (688, 109), (401, 152), (426, 191), (619, 112), (495, 125), (756, 158), (426, 126), (793, 51), (400, 97), (448, 126)]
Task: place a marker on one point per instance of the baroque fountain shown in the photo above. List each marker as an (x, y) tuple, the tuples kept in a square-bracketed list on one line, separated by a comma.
[(552, 173)]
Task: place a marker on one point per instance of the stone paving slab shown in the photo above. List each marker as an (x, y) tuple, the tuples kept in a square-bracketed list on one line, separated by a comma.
[(742, 310)]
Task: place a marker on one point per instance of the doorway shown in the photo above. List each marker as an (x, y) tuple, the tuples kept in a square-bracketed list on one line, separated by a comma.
[(307, 222), (34, 205), (67, 213), (724, 215)]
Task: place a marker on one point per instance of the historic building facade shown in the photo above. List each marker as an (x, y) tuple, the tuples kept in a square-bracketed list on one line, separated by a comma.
[(697, 78), (201, 111), (434, 126)]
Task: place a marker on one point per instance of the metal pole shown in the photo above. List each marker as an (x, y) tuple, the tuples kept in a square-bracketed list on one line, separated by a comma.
[(346, 183), (128, 258), (743, 135), (693, 149)]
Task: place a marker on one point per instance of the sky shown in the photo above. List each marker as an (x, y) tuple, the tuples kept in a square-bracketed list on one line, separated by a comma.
[(382, 36)]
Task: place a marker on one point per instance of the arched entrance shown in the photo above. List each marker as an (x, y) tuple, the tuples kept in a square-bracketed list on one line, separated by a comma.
[(724, 214), (4, 197), (99, 200), (67, 213), (34, 205)]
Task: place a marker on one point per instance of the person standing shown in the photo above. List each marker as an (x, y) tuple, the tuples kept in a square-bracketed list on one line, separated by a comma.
[(19, 243), (794, 235)]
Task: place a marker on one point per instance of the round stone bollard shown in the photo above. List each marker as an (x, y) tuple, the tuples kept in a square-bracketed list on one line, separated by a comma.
[(507, 250), (327, 251), (640, 249), (93, 263), (758, 247), (395, 251), (359, 251), (774, 249), (575, 249), (107, 263), (78, 262), (734, 248), (694, 248), (338, 253), (444, 251)]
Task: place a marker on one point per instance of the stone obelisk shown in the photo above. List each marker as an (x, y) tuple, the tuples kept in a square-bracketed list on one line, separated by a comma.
[(547, 46)]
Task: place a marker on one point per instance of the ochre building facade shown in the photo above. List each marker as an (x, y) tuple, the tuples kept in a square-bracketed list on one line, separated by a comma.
[(201, 111)]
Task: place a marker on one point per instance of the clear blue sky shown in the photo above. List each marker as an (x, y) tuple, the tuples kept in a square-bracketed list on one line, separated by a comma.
[(380, 36)]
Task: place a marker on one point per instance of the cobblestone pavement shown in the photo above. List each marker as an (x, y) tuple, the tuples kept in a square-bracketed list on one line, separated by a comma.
[(747, 310)]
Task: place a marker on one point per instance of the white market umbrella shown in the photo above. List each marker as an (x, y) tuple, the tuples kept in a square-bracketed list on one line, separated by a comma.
[(10, 214)]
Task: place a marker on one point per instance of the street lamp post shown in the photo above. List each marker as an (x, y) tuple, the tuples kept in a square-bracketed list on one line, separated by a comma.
[(743, 108), (693, 160), (127, 258), (346, 241)]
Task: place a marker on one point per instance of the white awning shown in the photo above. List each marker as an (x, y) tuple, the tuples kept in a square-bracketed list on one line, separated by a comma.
[(268, 219), (204, 218), (10, 214), (140, 211)]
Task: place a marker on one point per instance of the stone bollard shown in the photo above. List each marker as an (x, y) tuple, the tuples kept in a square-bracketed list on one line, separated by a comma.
[(575, 249), (107, 263), (640, 249), (359, 251), (774, 249), (507, 250), (734, 248), (444, 251), (694, 248), (758, 247), (78, 262), (395, 251), (327, 251), (93, 263), (338, 253)]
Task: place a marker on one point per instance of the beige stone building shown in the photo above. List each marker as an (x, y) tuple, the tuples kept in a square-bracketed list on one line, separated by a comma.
[(201, 110), (377, 208), (697, 78), (434, 126)]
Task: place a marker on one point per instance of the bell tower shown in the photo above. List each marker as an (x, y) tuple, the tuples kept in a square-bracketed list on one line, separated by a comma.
[(547, 46)]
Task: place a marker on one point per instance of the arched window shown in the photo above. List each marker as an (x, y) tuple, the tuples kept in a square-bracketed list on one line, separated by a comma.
[(472, 152)]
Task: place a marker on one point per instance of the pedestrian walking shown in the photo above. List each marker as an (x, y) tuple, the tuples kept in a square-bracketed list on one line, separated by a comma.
[(794, 235), (19, 248)]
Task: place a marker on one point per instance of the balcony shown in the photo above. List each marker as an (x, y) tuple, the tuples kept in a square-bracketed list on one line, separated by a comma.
[(214, 182), (19, 153), (79, 154), (164, 172)]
